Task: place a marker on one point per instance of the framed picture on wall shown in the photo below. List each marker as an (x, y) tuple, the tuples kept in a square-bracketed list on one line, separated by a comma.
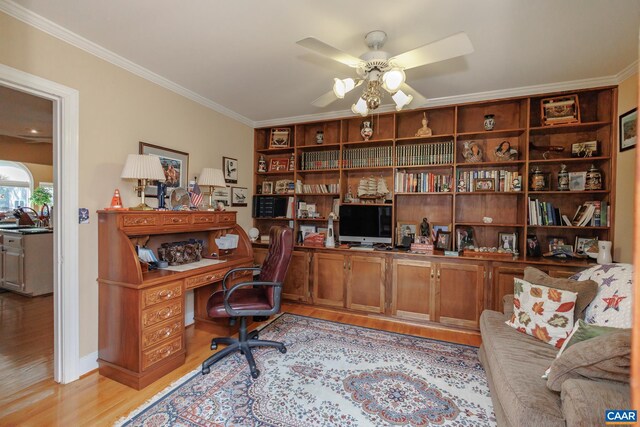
[(174, 163), (628, 129), (222, 194), (230, 170), (239, 196)]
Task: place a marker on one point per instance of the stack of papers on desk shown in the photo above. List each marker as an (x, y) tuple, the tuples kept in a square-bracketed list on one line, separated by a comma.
[(230, 241)]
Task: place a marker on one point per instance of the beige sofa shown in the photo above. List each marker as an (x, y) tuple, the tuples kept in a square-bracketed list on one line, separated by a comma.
[(515, 362)]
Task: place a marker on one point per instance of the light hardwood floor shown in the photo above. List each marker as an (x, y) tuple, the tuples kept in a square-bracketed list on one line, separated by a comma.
[(98, 401)]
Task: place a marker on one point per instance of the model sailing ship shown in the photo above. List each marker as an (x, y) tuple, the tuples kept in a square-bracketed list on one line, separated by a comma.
[(373, 188)]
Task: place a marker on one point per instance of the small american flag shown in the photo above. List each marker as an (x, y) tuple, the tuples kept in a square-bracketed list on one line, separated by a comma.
[(195, 195)]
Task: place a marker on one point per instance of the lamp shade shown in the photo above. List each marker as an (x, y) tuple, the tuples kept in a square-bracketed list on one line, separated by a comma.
[(341, 87), (360, 107), (212, 177), (142, 166), (401, 99), (393, 79)]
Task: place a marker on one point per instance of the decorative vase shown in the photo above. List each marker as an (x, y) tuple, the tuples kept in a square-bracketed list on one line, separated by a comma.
[(319, 137), (594, 179), (604, 252), (292, 162), (367, 130), (262, 164), (563, 178), (489, 122), (537, 180)]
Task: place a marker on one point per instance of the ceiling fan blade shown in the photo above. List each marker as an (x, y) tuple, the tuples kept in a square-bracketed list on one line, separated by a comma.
[(418, 99), (329, 51), (446, 48), (324, 100)]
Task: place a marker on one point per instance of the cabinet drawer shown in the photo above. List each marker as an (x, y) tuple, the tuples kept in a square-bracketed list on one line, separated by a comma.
[(162, 332), (201, 279), (161, 293), (154, 355), (227, 218), (139, 220), (166, 311), (175, 219), (11, 241), (203, 218)]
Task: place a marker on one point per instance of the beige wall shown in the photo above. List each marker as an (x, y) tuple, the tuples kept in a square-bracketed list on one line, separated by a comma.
[(625, 182), (118, 109), (16, 150), (40, 173)]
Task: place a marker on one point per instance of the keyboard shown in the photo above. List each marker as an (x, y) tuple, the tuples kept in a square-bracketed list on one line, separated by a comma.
[(361, 248)]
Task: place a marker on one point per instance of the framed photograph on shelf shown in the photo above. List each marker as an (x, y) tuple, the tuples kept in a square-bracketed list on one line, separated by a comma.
[(221, 194), (628, 130), (307, 229), (577, 181), (584, 149), (239, 196), (436, 227), (443, 240), (586, 244), (279, 164), (508, 242), (556, 242), (174, 163), (465, 238), (230, 170), (279, 138), (484, 184), (406, 230), (560, 110), (533, 246), (267, 187)]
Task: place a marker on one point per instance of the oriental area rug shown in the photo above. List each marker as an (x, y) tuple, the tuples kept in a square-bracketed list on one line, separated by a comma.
[(333, 374)]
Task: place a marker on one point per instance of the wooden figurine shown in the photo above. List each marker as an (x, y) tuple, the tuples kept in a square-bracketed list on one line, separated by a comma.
[(424, 130)]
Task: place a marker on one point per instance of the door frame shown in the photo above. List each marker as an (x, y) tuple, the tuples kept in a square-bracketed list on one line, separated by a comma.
[(66, 302)]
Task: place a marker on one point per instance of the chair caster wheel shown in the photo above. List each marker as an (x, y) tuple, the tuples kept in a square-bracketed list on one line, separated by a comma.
[(283, 349), (214, 346), (255, 374), (206, 371)]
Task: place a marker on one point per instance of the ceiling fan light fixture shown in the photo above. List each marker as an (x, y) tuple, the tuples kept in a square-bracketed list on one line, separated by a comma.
[(342, 87), (401, 99), (360, 107), (393, 79)]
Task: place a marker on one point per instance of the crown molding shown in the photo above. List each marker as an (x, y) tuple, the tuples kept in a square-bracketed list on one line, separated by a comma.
[(627, 72), (25, 15)]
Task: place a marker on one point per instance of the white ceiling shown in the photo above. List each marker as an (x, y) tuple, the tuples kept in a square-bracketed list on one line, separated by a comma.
[(241, 54)]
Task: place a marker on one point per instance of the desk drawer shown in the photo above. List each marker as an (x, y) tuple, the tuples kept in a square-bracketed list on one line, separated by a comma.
[(12, 241), (161, 293), (203, 218), (203, 279), (158, 354), (175, 219), (166, 311), (162, 332), (139, 220), (225, 218)]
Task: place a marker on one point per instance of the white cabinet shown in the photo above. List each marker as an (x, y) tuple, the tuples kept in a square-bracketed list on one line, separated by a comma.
[(27, 263)]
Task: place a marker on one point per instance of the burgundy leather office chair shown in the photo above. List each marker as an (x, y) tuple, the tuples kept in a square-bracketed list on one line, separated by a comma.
[(253, 298)]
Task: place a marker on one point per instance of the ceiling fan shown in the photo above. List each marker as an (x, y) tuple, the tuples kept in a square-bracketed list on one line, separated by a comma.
[(379, 70)]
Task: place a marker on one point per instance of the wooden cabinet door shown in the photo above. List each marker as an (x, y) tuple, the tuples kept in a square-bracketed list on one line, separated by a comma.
[(564, 274), (328, 279), (259, 254), (296, 284), (365, 283), (412, 289), (13, 270), (502, 284), (459, 293)]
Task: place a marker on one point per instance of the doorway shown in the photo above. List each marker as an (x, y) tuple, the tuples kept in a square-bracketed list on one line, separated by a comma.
[(65, 131)]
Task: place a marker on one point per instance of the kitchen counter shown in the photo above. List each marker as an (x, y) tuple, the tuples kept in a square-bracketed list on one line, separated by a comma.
[(26, 260)]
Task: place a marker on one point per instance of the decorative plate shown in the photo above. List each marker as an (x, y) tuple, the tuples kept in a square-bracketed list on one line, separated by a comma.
[(179, 197)]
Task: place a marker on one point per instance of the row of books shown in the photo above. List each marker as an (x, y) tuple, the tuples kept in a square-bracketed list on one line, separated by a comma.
[(500, 180), (590, 214), (424, 154), (318, 160), (316, 188), (421, 182), (367, 157)]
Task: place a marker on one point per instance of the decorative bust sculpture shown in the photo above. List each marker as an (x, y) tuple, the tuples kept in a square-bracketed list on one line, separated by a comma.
[(424, 130)]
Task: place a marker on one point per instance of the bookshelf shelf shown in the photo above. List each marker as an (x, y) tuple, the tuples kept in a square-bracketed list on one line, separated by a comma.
[(572, 127), (572, 193), (571, 160), (275, 150), (486, 193), (425, 139), (481, 165), (572, 227), (424, 193), (491, 134), (493, 224)]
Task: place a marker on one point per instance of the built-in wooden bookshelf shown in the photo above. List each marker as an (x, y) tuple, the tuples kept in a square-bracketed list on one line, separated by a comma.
[(517, 121)]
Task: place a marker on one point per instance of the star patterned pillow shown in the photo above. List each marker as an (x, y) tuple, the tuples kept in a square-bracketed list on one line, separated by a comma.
[(542, 312), (612, 304)]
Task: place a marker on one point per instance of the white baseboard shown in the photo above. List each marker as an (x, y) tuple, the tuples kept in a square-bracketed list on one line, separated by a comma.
[(88, 363)]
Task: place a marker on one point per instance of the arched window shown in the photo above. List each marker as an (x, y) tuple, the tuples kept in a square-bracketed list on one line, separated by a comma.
[(16, 184)]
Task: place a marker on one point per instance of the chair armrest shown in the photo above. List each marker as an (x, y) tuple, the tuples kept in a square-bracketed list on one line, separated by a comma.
[(235, 270), (233, 312)]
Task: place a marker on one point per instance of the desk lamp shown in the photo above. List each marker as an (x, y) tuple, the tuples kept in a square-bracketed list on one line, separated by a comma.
[(142, 167), (211, 178)]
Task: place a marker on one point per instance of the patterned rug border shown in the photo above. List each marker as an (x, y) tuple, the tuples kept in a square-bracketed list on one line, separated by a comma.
[(175, 386)]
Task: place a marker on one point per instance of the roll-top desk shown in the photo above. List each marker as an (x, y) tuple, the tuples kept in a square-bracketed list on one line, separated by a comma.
[(141, 313)]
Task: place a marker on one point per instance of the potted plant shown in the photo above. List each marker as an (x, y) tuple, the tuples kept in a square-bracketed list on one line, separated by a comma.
[(42, 197)]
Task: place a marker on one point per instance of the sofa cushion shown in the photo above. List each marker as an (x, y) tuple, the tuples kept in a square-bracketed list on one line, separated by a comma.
[(584, 401), (516, 362), (585, 288), (542, 312), (613, 302)]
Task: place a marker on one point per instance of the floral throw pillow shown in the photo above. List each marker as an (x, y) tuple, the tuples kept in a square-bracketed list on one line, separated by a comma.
[(542, 312)]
